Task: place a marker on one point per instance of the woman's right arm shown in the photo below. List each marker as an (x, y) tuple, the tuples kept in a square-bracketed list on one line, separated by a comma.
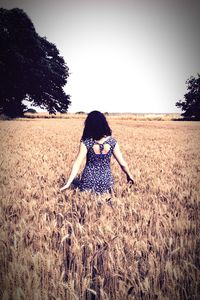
[(123, 164)]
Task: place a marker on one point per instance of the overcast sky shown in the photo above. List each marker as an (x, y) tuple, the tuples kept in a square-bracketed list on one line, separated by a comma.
[(123, 55)]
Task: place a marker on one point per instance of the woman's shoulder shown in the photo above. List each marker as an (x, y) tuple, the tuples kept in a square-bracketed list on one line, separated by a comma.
[(87, 142), (112, 141)]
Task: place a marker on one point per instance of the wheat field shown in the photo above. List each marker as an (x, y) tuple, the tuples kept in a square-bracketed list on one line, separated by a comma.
[(69, 245)]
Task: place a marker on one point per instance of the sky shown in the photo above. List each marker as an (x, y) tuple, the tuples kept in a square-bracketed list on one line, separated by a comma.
[(123, 55)]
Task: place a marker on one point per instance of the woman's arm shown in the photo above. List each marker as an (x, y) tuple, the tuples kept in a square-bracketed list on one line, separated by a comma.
[(123, 164), (76, 166)]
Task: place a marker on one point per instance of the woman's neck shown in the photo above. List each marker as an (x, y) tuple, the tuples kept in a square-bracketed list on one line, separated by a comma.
[(103, 139)]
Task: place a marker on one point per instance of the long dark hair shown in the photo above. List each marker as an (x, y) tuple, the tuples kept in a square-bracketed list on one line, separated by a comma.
[(96, 126)]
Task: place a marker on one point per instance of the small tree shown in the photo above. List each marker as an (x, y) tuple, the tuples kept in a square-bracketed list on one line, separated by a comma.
[(191, 103), (30, 67)]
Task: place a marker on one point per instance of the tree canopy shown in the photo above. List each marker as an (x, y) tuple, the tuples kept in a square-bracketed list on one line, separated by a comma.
[(31, 67), (190, 105)]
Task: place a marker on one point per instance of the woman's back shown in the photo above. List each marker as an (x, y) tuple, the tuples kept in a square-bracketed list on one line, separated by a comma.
[(97, 174)]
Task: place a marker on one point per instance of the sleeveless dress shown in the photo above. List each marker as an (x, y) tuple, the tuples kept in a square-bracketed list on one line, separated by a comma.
[(97, 175)]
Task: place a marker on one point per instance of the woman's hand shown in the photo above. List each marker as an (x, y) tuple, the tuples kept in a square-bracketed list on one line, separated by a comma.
[(130, 180), (66, 186)]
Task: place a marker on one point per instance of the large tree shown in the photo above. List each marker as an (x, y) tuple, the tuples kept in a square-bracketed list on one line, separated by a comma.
[(190, 105), (31, 68)]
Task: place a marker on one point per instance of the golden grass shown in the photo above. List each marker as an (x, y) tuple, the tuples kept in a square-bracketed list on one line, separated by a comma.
[(57, 245), (130, 116)]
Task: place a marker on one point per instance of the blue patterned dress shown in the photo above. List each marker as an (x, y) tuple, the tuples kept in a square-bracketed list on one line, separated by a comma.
[(97, 175)]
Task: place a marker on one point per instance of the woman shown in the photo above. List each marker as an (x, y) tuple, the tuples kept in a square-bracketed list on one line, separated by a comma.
[(97, 145)]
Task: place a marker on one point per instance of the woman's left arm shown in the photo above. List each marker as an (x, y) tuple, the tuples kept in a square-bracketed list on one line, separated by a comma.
[(76, 166)]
